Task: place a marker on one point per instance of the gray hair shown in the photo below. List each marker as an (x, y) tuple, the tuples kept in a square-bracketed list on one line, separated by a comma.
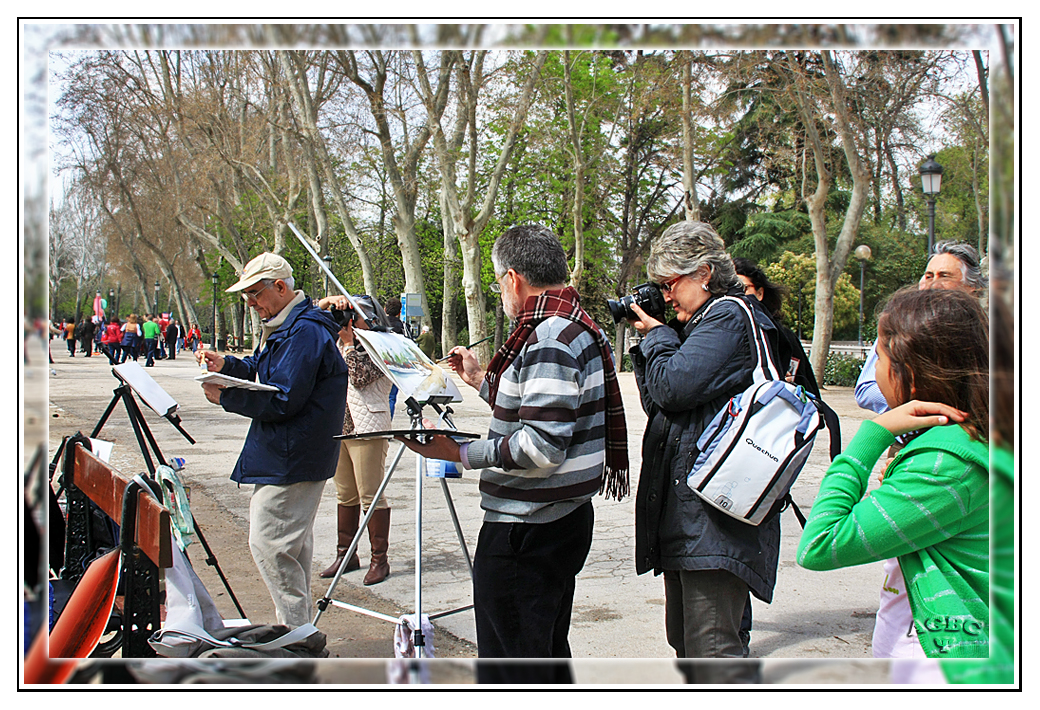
[(534, 252), (686, 247), (969, 258), (290, 282)]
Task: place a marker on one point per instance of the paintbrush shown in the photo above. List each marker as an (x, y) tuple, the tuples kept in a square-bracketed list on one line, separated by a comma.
[(471, 345)]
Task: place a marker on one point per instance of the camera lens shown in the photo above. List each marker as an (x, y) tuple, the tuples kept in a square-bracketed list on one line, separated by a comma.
[(621, 309)]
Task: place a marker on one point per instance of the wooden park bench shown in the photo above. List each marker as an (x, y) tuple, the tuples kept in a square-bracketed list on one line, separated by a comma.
[(86, 479)]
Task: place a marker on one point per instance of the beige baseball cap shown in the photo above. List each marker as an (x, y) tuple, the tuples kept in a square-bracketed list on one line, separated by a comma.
[(265, 266)]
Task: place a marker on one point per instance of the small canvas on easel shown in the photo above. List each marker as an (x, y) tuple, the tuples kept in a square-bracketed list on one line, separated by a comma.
[(408, 367), (150, 392)]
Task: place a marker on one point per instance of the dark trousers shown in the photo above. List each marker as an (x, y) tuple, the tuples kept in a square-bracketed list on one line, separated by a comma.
[(131, 350), (72, 347), (523, 590), (149, 349), (703, 614), (112, 350)]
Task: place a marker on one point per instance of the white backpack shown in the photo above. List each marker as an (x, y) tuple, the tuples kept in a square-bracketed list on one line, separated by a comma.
[(753, 450)]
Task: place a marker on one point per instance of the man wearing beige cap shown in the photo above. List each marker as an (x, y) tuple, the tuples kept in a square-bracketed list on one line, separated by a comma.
[(289, 451)]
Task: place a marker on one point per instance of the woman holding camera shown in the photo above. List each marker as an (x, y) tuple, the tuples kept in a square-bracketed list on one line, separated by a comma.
[(361, 462), (686, 372)]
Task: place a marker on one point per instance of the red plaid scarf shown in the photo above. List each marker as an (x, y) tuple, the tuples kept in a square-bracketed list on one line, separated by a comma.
[(564, 303)]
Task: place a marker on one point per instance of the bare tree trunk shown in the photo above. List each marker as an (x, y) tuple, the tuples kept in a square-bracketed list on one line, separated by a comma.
[(469, 228), (691, 204), (980, 208), (829, 266), (578, 163), (449, 324), (403, 173), (294, 68)]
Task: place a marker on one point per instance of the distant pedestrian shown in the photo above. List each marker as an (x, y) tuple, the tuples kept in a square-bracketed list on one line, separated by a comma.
[(131, 342), (426, 342), (194, 336), (70, 336), (171, 334), (99, 330), (86, 337), (163, 321), (110, 341), (150, 330)]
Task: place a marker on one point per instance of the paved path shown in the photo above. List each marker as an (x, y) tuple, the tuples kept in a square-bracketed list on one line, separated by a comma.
[(617, 614)]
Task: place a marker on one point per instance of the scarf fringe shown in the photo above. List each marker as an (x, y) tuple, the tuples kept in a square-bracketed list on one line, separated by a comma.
[(614, 483)]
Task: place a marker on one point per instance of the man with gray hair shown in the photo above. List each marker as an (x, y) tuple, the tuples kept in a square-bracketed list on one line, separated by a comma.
[(557, 436), (289, 451), (953, 265)]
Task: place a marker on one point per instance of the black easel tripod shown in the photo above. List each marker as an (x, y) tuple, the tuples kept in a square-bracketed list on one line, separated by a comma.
[(415, 414), (145, 440)]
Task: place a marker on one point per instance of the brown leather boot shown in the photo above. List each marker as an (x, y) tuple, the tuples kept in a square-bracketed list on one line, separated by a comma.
[(347, 519), (379, 536)]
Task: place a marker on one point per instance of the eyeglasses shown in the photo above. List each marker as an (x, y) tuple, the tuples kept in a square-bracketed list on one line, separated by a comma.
[(251, 295), (668, 285), (496, 287)]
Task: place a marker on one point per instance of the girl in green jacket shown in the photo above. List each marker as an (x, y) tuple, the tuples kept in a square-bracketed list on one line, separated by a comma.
[(931, 510)]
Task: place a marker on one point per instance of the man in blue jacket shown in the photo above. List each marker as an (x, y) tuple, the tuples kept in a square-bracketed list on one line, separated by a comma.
[(289, 451)]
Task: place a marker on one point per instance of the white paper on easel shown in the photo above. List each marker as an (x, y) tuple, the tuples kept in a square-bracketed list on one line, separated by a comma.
[(101, 448), (408, 367), (147, 389)]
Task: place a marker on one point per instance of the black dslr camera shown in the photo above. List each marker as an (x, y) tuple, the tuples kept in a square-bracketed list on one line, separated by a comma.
[(364, 308), (647, 296)]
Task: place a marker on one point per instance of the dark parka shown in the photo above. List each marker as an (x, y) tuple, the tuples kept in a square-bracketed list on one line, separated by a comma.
[(290, 438), (686, 374)]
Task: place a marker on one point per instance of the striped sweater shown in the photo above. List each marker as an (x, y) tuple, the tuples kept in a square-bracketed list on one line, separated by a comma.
[(931, 512), (545, 450)]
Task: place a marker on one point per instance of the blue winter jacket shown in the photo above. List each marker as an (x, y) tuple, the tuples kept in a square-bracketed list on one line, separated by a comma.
[(290, 439)]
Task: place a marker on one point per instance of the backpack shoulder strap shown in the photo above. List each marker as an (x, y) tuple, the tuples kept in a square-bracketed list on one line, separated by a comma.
[(830, 419), (765, 368)]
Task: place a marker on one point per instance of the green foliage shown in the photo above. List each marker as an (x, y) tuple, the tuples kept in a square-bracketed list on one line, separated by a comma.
[(797, 272), (841, 370), (956, 216), (897, 260), (765, 233)]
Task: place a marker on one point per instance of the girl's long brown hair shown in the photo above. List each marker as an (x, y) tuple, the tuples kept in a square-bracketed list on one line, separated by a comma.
[(938, 344)]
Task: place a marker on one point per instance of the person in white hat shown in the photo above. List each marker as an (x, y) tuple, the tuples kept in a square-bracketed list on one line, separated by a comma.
[(289, 451)]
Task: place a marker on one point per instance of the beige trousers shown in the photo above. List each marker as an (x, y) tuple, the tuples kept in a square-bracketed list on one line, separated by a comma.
[(281, 538), (360, 471)]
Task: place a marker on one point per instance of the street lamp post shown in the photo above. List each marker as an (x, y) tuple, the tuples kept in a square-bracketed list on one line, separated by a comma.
[(214, 311), (931, 180), (156, 310), (862, 254), (328, 265), (801, 295), (112, 312)]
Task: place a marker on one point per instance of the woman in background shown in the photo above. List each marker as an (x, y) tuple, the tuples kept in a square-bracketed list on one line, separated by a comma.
[(361, 461), (792, 354)]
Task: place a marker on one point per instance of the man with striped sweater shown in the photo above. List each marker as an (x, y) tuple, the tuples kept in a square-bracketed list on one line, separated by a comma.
[(557, 436)]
